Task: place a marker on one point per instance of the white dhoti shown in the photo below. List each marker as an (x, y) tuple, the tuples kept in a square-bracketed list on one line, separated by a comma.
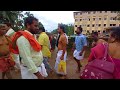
[(77, 56), (59, 54), (26, 74), (17, 60)]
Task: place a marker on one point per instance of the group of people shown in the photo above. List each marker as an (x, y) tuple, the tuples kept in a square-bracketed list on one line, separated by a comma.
[(23, 51), (27, 53)]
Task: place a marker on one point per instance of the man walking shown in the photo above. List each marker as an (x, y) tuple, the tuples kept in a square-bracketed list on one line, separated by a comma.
[(62, 44), (80, 46)]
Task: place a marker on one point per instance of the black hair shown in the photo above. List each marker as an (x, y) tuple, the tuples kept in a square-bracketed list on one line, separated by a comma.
[(80, 28), (29, 20), (2, 26), (115, 33), (42, 29), (62, 27), (96, 33), (8, 24)]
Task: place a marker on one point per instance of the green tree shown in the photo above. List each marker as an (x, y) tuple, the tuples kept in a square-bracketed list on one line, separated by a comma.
[(27, 14), (69, 29), (14, 17)]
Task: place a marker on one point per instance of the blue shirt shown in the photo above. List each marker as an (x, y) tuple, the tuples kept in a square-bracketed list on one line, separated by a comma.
[(80, 42)]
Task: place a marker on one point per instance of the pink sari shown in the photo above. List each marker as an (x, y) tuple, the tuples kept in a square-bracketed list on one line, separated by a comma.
[(99, 53)]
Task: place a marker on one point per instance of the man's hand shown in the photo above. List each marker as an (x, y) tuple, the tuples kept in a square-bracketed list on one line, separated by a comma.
[(80, 53), (61, 58), (39, 76), (73, 49)]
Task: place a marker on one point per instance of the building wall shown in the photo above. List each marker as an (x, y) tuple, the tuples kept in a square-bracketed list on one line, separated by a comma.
[(95, 20)]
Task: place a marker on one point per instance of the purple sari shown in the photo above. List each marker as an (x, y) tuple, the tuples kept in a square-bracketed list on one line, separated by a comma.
[(99, 53)]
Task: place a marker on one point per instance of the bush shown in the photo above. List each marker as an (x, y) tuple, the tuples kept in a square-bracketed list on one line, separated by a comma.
[(70, 44)]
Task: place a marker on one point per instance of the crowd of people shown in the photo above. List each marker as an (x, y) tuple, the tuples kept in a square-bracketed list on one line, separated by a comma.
[(28, 51)]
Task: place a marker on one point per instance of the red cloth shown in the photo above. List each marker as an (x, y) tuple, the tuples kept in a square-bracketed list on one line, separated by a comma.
[(35, 45), (6, 63), (98, 50)]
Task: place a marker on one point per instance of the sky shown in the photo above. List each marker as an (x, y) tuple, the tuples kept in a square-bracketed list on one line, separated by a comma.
[(50, 19)]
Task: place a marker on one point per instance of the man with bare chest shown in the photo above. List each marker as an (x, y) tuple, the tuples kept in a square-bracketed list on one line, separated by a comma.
[(4, 53), (62, 43)]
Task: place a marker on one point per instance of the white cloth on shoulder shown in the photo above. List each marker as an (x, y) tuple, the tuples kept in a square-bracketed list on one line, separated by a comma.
[(77, 56)]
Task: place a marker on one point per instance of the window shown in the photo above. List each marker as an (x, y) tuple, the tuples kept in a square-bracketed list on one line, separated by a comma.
[(80, 13), (76, 13), (75, 25), (94, 12), (114, 19), (99, 18), (88, 25), (104, 25), (93, 19), (88, 19), (112, 11), (80, 19), (105, 18), (110, 24), (114, 24), (88, 12), (99, 25), (103, 31), (76, 20), (93, 25), (111, 18)]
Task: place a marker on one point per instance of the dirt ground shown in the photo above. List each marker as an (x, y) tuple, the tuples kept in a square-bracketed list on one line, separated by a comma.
[(71, 67)]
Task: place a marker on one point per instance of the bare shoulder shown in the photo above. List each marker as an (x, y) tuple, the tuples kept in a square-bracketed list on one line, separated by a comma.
[(63, 37), (101, 41)]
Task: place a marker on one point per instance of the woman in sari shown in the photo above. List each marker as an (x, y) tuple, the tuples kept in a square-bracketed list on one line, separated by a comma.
[(113, 50)]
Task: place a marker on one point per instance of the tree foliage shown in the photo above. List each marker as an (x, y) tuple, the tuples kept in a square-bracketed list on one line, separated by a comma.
[(16, 18), (69, 29)]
